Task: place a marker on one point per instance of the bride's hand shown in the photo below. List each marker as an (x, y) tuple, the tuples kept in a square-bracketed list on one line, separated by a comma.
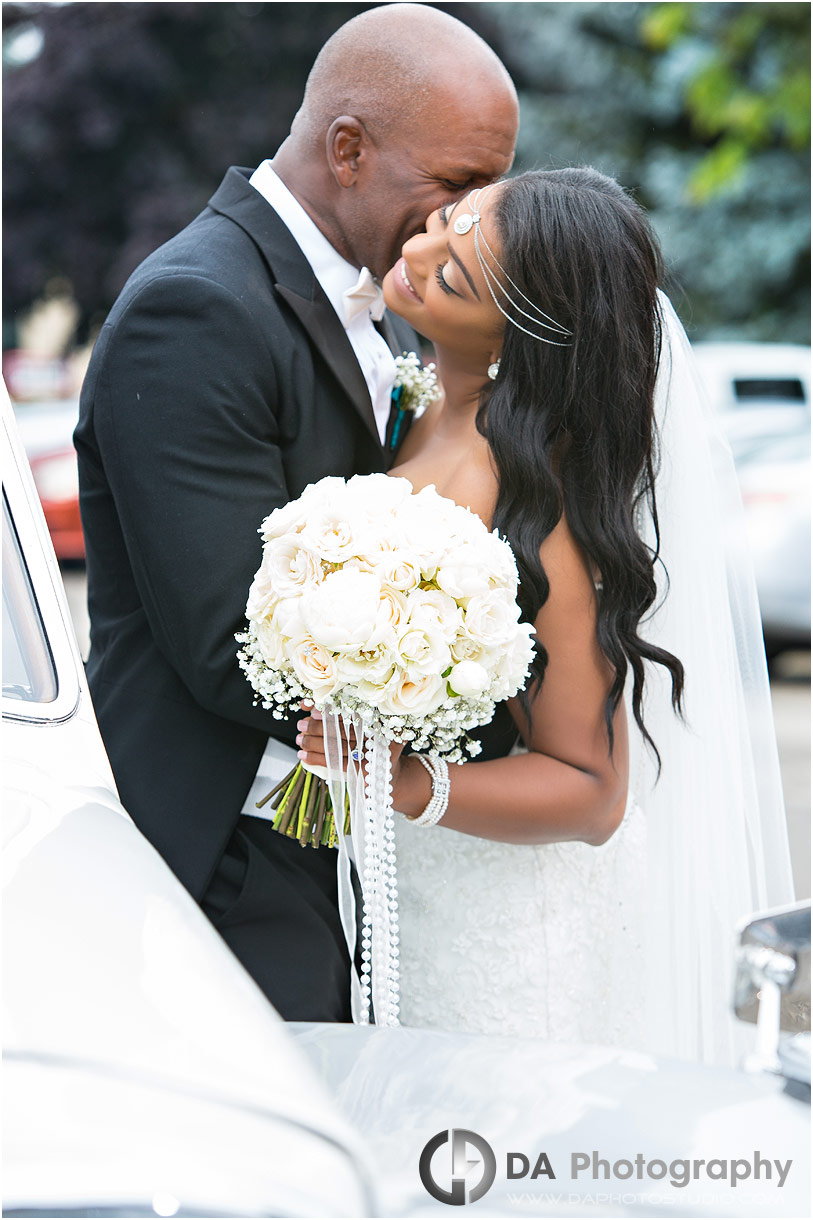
[(312, 747)]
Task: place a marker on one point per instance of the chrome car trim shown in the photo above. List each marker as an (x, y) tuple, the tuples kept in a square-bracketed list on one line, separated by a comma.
[(46, 583)]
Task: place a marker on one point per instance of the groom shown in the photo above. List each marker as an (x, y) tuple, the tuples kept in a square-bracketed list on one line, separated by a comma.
[(243, 360)]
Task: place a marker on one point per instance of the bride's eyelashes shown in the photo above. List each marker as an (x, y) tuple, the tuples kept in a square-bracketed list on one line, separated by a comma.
[(441, 281)]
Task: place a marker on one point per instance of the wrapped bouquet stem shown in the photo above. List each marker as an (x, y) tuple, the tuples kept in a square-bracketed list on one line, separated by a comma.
[(395, 615)]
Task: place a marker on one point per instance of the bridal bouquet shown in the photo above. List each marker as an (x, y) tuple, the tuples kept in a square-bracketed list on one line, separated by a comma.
[(395, 614)]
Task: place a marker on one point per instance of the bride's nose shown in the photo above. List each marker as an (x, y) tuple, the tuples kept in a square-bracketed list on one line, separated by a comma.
[(417, 251)]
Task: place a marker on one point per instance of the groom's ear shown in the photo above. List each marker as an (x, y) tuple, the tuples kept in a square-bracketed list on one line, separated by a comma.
[(347, 147)]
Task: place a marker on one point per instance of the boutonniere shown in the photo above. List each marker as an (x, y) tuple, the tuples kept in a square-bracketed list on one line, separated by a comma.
[(415, 386)]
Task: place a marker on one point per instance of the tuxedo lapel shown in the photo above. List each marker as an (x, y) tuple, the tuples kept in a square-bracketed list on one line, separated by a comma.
[(296, 284)]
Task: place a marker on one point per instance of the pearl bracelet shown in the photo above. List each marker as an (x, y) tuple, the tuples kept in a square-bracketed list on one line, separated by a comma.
[(438, 768)]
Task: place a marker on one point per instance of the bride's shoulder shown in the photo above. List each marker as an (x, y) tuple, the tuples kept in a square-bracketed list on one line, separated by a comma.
[(569, 570)]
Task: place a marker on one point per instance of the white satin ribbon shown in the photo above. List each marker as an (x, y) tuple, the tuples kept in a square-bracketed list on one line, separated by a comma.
[(365, 294), (371, 846)]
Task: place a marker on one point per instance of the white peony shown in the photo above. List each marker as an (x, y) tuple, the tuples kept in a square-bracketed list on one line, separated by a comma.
[(435, 613), (341, 612), (376, 666), (461, 573)]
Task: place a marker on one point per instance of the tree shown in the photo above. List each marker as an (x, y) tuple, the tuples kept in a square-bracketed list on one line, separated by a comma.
[(123, 121), (658, 95)]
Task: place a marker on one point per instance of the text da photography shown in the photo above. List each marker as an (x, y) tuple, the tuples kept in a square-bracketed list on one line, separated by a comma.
[(458, 1166)]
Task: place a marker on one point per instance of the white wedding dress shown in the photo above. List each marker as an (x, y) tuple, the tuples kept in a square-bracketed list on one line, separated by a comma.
[(631, 943)]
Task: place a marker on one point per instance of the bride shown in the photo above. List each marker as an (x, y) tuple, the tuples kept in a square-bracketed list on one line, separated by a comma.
[(586, 874)]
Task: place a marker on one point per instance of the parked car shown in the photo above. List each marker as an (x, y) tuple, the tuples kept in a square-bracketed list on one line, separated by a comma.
[(46, 431), (144, 1072), (147, 1075), (774, 475), (757, 387)]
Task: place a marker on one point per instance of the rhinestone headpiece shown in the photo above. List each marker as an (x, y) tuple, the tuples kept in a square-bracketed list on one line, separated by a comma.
[(462, 224)]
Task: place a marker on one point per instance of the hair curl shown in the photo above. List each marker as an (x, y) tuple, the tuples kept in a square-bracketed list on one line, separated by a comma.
[(572, 428)]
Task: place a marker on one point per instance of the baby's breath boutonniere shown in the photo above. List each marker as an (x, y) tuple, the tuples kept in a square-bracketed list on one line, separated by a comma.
[(416, 385)]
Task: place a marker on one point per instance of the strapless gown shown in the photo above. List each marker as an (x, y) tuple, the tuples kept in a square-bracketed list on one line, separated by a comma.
[(541, 941)]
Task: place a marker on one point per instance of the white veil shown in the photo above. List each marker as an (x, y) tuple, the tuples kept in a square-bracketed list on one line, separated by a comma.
[(716, 830)]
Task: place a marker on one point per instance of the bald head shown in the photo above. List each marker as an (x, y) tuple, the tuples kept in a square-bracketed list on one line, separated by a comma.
[(389, 65), (405, 109)]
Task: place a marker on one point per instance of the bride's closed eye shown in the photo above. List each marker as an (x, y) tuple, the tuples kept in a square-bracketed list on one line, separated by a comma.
[(442, 282)]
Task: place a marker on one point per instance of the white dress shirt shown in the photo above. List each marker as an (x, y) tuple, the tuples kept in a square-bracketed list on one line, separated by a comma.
[(377, 363), (335, 275)]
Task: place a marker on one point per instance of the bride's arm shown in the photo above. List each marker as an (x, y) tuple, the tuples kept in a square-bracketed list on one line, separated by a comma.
[(567, 786)]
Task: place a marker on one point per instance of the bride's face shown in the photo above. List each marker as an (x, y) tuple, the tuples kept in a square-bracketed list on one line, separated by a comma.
[(439, 287)]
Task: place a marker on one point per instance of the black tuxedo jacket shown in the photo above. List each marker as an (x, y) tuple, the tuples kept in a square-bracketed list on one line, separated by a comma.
[(221, 385)]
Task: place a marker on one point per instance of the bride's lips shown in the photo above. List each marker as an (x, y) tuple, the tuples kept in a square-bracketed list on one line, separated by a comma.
[(402, 281)]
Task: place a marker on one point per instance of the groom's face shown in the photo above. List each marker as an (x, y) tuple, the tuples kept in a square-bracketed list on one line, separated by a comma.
[(461, 143)]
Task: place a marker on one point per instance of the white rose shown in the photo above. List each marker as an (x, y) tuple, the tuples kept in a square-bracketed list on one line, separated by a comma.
[(464, 648), (341, 612), (271, 644), (462, 574), (314, 666), (491, 618), (404, 697), (420, 652), (261, 596), (469, 679), (391, 618), (288, 519), (291, 566), (336, 534), (435, 613), (399, 570)]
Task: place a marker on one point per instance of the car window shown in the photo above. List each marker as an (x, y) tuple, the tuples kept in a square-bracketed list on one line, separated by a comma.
[(779, 390), (28, 667)]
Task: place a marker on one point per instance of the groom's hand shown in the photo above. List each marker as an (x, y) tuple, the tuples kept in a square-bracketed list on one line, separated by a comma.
[(312, 746)]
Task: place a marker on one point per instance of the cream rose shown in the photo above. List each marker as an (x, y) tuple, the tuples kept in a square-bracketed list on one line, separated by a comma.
[(404, 697), (376, 666), (421, 652), (341, 612), (291, 566), (400, 570), (261, 596), (271, 643), (314, 666)]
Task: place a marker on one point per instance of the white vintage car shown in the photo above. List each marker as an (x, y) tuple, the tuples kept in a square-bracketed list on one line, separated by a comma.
[(146, 1075)]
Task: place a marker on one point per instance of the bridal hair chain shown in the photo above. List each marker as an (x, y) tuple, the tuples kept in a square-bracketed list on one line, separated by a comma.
[(462, 224)]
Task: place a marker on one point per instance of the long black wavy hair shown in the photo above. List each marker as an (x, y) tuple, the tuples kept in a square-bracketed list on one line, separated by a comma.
[(572, 428)]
